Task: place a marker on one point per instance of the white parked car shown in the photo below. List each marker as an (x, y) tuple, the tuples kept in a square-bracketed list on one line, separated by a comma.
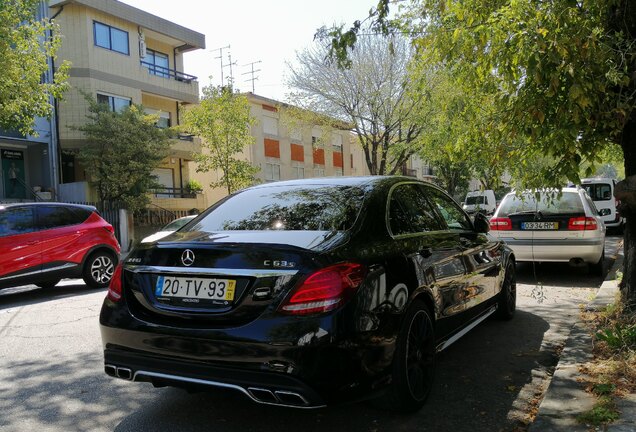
[(483, 201), (601, 190), (565, 228)]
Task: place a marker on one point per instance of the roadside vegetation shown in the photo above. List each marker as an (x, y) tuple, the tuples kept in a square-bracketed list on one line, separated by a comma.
[(613, 371)]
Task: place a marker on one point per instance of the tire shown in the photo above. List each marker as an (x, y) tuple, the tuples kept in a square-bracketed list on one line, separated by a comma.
[(413, 366), (98, 269), (48, 284), (507, 302), (598, 268)]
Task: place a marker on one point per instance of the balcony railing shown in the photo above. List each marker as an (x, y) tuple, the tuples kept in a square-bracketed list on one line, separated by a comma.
[(168, 73), (167, 192)]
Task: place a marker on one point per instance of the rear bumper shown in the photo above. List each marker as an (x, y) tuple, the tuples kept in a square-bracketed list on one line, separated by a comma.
[(304, 362), (589, 250), (262, 387)]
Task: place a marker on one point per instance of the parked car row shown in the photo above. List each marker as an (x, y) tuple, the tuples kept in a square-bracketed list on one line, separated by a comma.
[(309, 292)]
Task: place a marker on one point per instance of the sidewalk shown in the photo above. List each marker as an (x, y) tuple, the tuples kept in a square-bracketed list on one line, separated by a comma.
[(566, 397)]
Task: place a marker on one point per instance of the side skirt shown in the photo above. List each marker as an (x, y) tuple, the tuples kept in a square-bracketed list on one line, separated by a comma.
[(448, 342)]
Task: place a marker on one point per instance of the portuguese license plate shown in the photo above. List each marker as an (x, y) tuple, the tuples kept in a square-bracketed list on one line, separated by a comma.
[(195, 288), (539, 225)]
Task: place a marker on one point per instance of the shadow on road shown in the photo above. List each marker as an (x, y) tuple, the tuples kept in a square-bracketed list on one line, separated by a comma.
[(479, 382), (30, 294)]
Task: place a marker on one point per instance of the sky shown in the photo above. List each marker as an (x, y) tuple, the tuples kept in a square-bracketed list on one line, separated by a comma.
[(269, 31)]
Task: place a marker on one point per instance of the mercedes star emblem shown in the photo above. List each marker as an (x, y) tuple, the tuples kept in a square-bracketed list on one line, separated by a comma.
[(187, 257)]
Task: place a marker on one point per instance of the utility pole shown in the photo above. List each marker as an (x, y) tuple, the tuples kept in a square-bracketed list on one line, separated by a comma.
[(230, 64), (220, 50), (252, 72)]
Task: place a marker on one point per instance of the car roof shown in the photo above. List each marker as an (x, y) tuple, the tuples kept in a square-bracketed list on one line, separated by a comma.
[(597, 180), (340, 181), (48, 203)]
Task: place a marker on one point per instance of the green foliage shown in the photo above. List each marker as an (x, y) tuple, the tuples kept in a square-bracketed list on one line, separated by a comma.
[(559, 75), (24, 51), (194, 186), (604, 412), (619, 337), (121, 151), (223, 120)]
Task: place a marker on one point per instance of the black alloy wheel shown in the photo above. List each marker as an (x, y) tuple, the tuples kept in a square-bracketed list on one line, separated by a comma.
[(48, 284), (507, 303), (413, 362), (99, 269)]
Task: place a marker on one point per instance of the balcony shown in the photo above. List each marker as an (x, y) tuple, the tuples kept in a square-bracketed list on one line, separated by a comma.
[(168, 73), (184, 147), (177, 199)]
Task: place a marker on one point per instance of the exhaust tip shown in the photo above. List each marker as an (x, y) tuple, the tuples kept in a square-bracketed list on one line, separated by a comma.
[(124, 373), (110, 370), (577, 262), (291, 398), (263, 395)]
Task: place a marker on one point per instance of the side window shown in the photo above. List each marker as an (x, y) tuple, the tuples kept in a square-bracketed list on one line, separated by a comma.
[(410, 212), (455, 218), (56, 216), (18, 220)]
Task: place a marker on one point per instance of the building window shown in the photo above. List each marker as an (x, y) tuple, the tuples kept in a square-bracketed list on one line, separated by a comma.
[(272, 148), (298, 172), (272, 172), (164, 118), (319, 156), (157, 63), (319, 172), (115, 103), (110, 38), (297, 152), (296, 134), (270, 126), (336, 142)]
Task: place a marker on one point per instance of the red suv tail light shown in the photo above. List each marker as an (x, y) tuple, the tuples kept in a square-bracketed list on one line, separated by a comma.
[(325, 289), (114, 288), (582, 224), (501, 224), (109, 228)]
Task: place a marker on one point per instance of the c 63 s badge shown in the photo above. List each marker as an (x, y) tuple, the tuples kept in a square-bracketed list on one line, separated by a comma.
[(279, 264)]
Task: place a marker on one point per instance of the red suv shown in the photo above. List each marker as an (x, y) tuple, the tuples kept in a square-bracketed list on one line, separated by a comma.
[(41, 243)]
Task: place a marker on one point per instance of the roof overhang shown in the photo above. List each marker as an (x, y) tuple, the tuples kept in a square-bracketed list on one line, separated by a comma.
[(189, 39)]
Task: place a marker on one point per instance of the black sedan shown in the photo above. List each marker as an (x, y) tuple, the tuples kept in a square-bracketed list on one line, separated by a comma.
[(307, 293)]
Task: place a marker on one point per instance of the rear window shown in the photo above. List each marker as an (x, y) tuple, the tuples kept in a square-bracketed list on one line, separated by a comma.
[(474, 200), (598, 191), (569, 202), (285, 208)]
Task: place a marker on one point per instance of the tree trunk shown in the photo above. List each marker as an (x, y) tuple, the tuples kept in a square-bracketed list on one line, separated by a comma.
[(626, 192)]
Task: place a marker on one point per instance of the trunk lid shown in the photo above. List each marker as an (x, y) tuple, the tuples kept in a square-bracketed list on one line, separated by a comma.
[(227, 278)]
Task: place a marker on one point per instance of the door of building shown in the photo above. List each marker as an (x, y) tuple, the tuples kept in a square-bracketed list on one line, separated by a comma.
[(13, 173)]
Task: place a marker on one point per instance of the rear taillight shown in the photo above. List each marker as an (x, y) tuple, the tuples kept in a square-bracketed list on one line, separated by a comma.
[(501, 224), (582, 224), (114, 288), (325, 289)]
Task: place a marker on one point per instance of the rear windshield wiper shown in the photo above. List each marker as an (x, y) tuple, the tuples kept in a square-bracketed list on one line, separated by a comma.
[(527, 212)]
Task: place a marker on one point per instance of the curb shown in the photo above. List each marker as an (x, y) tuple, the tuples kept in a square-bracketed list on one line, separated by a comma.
[(566, 398)]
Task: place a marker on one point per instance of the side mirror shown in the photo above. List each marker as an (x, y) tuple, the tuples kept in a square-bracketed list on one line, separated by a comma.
[(604, 212), (481, 223)]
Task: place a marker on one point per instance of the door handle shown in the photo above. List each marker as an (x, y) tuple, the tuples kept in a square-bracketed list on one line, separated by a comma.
[(426, 252)]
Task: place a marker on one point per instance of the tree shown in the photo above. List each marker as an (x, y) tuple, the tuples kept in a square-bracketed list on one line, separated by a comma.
[(222, 119), (25, 47), (122, 150), (563, 75), (373, 95)]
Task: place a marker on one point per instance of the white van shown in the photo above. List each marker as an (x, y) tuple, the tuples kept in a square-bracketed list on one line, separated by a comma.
[(483, 201), (601, 190)]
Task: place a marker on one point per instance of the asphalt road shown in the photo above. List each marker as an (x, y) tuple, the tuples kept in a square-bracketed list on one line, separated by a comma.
[(51, 370)]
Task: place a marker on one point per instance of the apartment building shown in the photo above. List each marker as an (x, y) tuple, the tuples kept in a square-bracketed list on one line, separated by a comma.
[(28, 163), (122, 55), (284, 151)]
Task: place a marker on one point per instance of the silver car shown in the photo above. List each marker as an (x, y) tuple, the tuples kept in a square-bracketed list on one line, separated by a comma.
[(548, 227)]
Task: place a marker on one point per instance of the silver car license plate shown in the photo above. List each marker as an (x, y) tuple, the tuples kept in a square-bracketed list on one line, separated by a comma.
[(539, 225)]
